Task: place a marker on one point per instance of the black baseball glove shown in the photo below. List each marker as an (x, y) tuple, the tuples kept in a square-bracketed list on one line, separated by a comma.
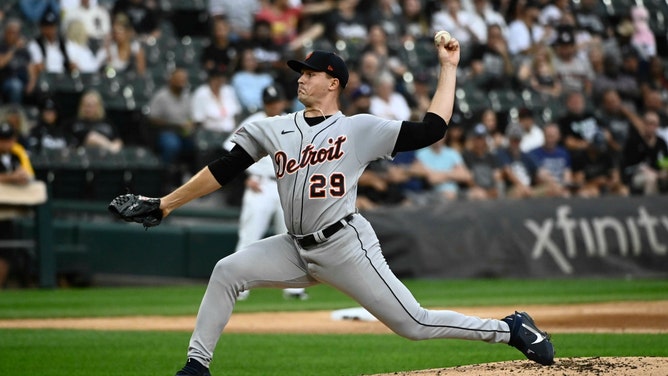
[(136, 208)]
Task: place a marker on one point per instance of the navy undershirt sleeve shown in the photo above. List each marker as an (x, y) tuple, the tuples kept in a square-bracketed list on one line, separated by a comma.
[(417, 135), (227, 167)]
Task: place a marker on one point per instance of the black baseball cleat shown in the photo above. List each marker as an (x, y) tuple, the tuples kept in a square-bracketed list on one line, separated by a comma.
[(193, 368), (531, 341)]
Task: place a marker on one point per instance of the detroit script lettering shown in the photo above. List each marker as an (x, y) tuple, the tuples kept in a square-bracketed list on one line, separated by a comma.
[(309, 156)]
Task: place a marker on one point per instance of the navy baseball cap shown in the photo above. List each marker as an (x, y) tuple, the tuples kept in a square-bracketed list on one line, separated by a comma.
[(49, 18), (272, 93), (49, 104), (363, 91), (6, 131), (565, 36), (323, 61)]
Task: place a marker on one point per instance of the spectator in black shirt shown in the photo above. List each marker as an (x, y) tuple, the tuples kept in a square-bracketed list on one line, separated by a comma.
[(483, 165), (48, 134), (268, 54), (616, 119), (491, 64), (14, 61), (143, 18), (611, 78), (654, 101), (91, 128), (221, 54), (579, 125), (346, 24), (645, 162), (595, 173)]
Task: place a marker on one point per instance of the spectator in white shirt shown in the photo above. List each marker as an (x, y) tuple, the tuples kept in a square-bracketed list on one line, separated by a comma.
[(47, 50), (525, 31), (533, 136), (486, 12), (386, 101), (123, 52), (215, 104), (78, 50), (95, 18), (467, 27)]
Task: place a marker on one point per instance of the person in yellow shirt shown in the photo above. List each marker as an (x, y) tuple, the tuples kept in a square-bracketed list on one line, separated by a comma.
[(15, 169)]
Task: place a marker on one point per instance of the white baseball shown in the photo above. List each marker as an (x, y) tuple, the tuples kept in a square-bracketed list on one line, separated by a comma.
[(442, 34)]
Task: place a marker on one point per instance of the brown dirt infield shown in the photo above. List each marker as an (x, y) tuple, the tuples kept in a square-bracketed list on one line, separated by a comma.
[(618, 317)]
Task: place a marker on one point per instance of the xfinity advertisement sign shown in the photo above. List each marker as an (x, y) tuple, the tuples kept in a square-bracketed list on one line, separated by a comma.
[(588, 236), (538, 238)]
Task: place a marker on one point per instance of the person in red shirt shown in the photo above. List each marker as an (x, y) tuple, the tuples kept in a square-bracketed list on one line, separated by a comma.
[(285, 19)]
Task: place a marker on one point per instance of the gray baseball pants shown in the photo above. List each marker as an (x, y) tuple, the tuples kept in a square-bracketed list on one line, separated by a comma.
[(350, 261)]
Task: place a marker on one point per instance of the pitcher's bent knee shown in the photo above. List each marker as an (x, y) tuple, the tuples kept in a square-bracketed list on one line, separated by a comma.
[(410, 330), (228, 271)]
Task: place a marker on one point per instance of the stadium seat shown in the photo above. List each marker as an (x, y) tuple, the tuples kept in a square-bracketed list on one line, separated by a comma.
[(350, 49), (189, 49), (471, 99), (179, 5), (68, 175), (152, 51), (553, 109), (503, 100), (107, 173), (146, 172), (131, 125), (426, 56)]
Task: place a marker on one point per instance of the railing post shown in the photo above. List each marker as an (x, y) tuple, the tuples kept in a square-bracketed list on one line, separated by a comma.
[(44, 241)]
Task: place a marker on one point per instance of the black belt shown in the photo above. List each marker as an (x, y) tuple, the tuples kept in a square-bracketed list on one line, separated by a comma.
[(310, 240)]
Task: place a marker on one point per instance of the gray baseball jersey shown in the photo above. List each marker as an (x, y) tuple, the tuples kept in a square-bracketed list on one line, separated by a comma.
[(318, 167)]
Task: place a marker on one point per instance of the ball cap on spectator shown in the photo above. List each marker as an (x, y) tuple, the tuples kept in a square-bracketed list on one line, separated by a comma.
[(565, 36), (272, 93), (514, 132), (363, 90), (480, 130), (323, 61), (524, 113), (6, 131), (49, 104), (49, 18)]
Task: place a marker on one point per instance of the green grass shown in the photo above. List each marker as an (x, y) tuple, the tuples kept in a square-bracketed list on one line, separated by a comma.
[(184, 300), (86, 352), (73, 353)]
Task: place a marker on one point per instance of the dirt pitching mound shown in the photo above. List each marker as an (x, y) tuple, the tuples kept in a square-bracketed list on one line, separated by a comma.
[(609, 366)]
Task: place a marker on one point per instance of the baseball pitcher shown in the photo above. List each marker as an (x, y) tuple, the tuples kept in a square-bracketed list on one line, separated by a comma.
[(318, 155)]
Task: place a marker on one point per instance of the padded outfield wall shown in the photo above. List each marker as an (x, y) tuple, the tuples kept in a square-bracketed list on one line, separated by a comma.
[(611, 237), (539, 238)]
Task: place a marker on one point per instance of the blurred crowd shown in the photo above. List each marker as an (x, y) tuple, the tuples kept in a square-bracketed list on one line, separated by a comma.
[(555, 98)]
